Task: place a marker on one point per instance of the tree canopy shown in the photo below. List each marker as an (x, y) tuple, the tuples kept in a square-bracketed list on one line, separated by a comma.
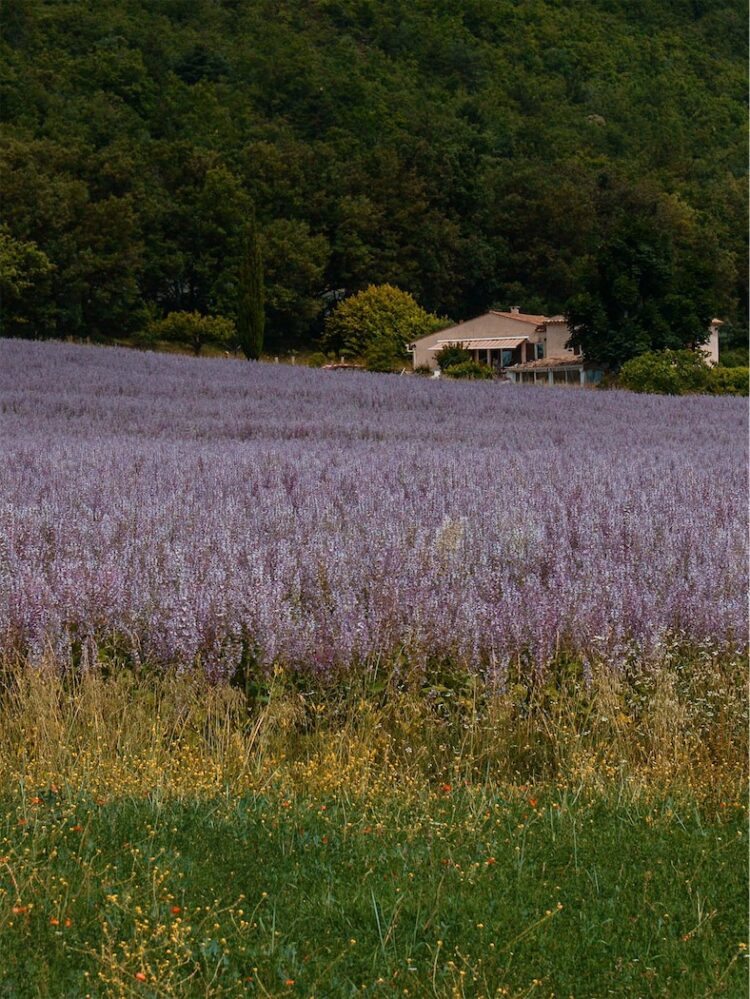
[(251, 316), (378, 324), (654, 282), (194, 330), (458, 150)]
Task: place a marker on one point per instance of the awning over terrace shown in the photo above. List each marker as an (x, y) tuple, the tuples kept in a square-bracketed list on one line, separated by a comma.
[(496, 343)]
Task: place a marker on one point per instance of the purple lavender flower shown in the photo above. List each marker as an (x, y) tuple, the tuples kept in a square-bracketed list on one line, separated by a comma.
[(197, 510)]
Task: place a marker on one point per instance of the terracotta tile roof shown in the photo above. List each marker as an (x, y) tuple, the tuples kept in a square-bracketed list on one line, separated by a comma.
[(522, 317)]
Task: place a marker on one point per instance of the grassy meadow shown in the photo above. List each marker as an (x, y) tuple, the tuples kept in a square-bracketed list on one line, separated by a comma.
[(163, 836)]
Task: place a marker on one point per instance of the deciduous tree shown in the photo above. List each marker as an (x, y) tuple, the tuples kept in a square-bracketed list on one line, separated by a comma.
[(25, 309), (654, 281), (194, 330), (381, 314)]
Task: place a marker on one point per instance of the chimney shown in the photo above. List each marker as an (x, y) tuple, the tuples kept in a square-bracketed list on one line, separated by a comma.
[(515, 309)]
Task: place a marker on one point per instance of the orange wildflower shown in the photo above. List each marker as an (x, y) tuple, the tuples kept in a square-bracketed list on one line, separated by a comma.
[(446, 788), (175, 910), (20, 910), (140, 976)]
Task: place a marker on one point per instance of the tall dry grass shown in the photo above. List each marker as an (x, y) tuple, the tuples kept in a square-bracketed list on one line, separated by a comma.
[(675, 728)]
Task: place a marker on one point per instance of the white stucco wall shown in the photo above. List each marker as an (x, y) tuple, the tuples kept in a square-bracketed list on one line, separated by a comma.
[(710, 349), (556, 335)]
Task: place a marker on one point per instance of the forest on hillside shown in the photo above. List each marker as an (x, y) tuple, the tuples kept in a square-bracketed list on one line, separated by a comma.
[(471, 152)]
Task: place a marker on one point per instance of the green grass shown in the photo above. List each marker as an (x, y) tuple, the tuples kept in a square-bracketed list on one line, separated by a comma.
[(161, 836), (421, 891)]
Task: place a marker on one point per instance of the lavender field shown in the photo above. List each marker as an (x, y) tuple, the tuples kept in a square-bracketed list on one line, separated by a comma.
[(185, 511)]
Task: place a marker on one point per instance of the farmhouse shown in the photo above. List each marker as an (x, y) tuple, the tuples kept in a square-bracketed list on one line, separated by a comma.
[(527, 349), (507, 342)]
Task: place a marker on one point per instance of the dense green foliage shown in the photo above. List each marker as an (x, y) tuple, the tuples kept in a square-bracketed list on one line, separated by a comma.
[(251, 317), (450, 355), (193, 329), (462, 151), (378, 324), (385, 357), (729, 381), (680, 372), (24, 287), (470, 370), (655, 282), (734, 357), (734, 346), (456, 362), (670, 372)]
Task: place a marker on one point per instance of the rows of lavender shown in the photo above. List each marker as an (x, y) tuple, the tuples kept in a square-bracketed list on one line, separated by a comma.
[(195, 510)]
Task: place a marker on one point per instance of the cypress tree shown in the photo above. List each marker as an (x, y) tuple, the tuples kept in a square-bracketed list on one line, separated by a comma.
[(250, 314)]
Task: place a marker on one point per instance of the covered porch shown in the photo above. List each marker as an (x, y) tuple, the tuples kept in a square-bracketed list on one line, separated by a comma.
[(498, 353), (558, 371)]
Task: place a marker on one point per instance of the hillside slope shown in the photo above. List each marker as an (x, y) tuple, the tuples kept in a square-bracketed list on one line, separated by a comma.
[(457, 149)]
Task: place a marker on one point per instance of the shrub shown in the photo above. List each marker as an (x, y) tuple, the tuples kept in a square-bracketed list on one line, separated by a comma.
[(608, 381), (729, 381), (451, 355), (380, 313), (382, 355), (317, 360), (193, 329), (469, 369), (424, 371), (737, 357), (668, 372)]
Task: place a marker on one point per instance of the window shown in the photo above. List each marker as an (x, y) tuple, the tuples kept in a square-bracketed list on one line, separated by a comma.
[(538, 351)]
